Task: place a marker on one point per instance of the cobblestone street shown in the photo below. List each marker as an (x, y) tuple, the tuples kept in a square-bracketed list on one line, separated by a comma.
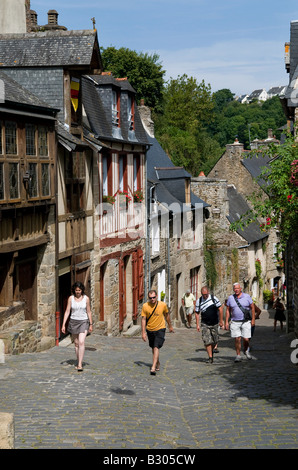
[(116, 404)]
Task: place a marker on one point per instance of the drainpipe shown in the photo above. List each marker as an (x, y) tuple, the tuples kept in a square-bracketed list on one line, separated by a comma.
[(169, 278), (57, 249), (149, 234)]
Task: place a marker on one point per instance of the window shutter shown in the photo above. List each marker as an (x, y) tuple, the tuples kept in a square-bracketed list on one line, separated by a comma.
[(140, 273), (135, 284)]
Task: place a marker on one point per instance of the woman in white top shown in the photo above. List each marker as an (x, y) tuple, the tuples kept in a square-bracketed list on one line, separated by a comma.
[(78, 307)]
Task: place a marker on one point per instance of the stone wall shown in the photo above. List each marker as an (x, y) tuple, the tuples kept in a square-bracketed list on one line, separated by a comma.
[(291, 259)]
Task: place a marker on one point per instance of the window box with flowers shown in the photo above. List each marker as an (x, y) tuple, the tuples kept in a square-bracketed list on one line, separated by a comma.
[(138, 196), (108, 199)]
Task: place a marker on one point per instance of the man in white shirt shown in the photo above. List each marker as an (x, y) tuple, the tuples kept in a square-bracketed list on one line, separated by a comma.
[(188, 302)]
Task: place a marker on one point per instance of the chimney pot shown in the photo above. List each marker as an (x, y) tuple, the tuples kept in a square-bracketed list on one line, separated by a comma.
[(33, 17), (52, 17)]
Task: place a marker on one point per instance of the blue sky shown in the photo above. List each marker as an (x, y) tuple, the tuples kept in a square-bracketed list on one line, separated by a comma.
[(235, 44)]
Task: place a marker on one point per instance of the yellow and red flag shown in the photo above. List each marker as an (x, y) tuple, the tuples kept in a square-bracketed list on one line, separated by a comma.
[(74, 92)]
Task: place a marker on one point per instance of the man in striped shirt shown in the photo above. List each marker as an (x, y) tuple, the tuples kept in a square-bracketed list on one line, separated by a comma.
[(211, 312)]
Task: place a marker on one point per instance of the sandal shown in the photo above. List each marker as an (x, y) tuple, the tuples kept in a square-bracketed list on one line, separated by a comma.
[(152, 372)]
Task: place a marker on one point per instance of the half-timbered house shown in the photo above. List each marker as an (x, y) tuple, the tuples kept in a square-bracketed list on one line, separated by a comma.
[(27, 218), (113, 128)]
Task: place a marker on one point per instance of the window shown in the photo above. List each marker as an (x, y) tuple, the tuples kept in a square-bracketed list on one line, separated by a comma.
[(130, 113), (194, 282), (1, 182), (45, 179), (107, 184), (42, 141), (75, 181), (32, 185), (136, 173), (122, 173), (155, 235), (116, 108), (30, 139), (11, 138), (13, 180)]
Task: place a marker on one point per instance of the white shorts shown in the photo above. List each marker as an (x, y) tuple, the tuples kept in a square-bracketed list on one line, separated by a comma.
[(189, 310), (239, 328)]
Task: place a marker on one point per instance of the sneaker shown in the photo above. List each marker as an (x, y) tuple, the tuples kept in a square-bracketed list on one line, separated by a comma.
[(237, 358), (247, 354)]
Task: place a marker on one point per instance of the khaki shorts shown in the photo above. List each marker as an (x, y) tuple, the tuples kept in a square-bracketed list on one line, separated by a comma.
[(209, 334)]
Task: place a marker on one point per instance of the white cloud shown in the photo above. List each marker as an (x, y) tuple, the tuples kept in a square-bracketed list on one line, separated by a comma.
[(241, 66)]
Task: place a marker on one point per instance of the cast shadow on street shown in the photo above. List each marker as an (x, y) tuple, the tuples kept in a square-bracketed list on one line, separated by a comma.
[(270, 375)]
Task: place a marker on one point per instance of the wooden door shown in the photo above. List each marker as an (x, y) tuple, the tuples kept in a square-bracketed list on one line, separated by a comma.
[(27, 289)]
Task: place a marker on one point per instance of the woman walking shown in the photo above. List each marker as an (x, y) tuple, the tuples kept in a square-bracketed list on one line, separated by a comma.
[(78, 307)]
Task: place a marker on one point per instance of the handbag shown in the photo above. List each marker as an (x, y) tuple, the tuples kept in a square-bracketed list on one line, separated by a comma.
[(245, 311), (147, 319)]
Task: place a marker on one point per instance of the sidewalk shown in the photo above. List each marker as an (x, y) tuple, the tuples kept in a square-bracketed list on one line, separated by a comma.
[(116, 404)]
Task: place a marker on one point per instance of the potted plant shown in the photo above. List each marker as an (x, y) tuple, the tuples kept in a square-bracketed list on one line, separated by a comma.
[(267, 297)]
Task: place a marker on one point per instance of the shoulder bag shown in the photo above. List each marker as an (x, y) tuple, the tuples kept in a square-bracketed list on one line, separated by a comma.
[(147, 319), (245, 311)]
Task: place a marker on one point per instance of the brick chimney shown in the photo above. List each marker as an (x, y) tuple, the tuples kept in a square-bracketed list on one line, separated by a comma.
[(145, 115)]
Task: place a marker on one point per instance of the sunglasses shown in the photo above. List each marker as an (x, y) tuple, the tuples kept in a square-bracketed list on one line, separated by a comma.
[(154, 297)]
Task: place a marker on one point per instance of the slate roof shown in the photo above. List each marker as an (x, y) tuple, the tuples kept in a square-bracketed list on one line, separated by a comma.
[(169, 180), (255, 165), (237, 207), (16, 95), (70, 141), (48, 49), (97, 101)]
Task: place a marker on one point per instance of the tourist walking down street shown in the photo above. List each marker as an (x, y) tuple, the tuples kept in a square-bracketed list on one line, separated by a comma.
[(78, 308), (188, 302), (211, 312), (241, 310), (279, 313), (154, 314)]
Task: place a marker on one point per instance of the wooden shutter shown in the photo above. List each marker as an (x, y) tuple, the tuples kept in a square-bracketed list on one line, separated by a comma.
[(135, 284), (140, 274)]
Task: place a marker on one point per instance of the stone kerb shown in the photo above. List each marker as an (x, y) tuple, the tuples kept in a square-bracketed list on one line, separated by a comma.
[(6, 431)]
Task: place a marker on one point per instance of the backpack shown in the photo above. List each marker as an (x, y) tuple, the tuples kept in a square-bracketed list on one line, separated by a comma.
[(211, 318)]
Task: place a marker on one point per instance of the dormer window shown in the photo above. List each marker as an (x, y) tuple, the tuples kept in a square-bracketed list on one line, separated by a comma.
[(131, 112), (116, 108)]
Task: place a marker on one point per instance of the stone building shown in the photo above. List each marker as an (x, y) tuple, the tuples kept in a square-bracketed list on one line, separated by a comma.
[(241, 172), (174, 251), (229, 256)]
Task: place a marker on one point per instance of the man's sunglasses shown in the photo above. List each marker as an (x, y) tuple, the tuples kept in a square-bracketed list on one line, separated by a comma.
[(154, 297)]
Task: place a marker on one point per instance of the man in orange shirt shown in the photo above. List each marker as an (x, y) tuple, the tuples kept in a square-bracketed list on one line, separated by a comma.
[(154, 313)]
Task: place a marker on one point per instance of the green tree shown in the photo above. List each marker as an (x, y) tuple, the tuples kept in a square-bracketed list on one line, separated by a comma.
[(181, 128), (143, 71), (280, 182)]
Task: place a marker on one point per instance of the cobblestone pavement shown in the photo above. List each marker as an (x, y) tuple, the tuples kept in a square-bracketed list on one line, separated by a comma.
[(116, 404)]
